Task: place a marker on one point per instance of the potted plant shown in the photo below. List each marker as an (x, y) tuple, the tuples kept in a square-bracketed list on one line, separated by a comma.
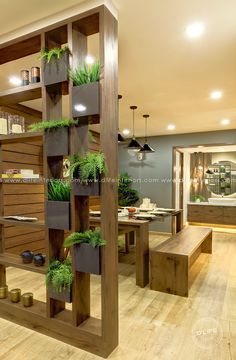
[(85, 92), (59, 280), (198, 198), (55, 64), (126, 195), (58, 205), (86, 252), (56, 135), (85, 172)]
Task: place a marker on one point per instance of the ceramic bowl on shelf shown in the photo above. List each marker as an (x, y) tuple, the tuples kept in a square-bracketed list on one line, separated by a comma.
[(27, 256), (131, 210), (39, 259)]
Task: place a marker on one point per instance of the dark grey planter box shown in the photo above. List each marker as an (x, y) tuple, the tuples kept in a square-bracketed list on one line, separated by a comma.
[(57, 142), (88, 96), (90, 189), (64, 296), (86, 259), (58, 215), (56, 71)]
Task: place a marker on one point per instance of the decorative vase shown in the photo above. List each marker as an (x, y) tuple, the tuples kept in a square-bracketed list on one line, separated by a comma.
[(27, 256), (27, 299), (15, 295), (3, 292), (39, 259)]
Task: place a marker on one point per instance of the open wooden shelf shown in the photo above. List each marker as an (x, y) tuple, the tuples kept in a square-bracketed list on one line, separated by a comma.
[(16, 261), (22, 181), (17, 138), (20, 94), (31, 224)]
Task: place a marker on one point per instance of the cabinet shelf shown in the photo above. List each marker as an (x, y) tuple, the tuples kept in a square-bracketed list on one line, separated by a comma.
[(20, 94), (31, 224), (15, 261), (17, 138)]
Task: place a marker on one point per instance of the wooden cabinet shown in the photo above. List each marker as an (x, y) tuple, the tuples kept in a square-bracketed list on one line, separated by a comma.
[(209, 214)]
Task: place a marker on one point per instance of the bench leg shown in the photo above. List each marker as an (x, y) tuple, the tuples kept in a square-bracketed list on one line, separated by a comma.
[(169, 273), (127, 242), (206, 246)]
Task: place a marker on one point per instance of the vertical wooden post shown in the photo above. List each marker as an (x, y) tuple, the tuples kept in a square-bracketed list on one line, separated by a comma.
[(2, 245), (109, 202)]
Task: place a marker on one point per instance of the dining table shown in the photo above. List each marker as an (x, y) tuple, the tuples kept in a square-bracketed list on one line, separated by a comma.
[(137, 232)]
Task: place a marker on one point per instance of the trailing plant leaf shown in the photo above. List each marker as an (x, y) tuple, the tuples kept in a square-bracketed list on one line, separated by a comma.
[(52, 124), (85, 74), (59, 274), (59, 190), (53, 54), (87, 167), (89, 237), (126, 195)]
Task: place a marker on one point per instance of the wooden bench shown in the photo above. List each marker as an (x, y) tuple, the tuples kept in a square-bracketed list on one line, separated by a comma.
[(171, 260)]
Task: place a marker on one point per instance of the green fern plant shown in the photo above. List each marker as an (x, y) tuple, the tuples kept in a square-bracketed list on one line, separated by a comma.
[(59, 190), (89, 237), (54, 54), (87, 167), (85, 74), (52, 124), (59, 275)]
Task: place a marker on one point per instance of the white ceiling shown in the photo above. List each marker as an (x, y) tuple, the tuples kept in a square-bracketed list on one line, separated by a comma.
[(160, 70), (209, 149)]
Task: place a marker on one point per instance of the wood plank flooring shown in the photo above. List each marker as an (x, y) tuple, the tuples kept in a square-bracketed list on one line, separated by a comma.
[(153, 325)]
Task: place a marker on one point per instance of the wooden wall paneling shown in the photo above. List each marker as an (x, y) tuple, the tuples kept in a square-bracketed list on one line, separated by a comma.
[(2, 242), (79, 204), (109, 204)]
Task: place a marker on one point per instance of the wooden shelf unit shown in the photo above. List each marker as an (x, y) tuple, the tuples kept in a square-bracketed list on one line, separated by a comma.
[(77, 327), (15, 261)]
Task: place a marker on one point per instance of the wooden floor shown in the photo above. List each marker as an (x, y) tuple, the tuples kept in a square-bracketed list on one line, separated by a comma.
[(152, 325)]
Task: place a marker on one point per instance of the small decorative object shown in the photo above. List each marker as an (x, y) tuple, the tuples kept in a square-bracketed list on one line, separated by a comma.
[(147, 205), (4, 123), (59, 280), (15, 295), (27, 256), (86, 250), (35, 74), (39, 259), (3, 292), (131, 210), (24, 77), (27, 299), (16, 124)]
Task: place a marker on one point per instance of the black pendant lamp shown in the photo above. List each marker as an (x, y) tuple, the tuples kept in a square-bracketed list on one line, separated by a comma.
[(146, 148), (120, 137), (134, 145)]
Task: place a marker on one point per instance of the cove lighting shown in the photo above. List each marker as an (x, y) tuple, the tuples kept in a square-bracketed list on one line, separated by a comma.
[(195, 30), (225, 122), (80, 108), (216, 95), (14, 80), (171, 127), (89, 60), (126, 131)]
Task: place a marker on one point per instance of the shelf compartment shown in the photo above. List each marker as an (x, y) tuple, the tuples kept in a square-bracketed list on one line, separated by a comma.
[(20, 94), (12, 260), (30, 224), (17, 138)]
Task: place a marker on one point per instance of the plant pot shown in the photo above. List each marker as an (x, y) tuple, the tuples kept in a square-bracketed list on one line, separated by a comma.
[(56, 70), (57, 142), (90, 189), (86, 95), (58, 215), (64, 296), (86, 258)]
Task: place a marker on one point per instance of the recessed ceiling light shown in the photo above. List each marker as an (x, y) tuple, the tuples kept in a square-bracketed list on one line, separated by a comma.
[(195, 30), (80, 108), (171, 127), (14, 80), (200, 146), (225, 122), (89, 60), (216, 94), (126, 131)]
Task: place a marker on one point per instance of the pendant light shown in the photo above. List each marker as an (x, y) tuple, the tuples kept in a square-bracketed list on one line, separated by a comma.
[(134, 145), (120, 137), (146, 148)]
